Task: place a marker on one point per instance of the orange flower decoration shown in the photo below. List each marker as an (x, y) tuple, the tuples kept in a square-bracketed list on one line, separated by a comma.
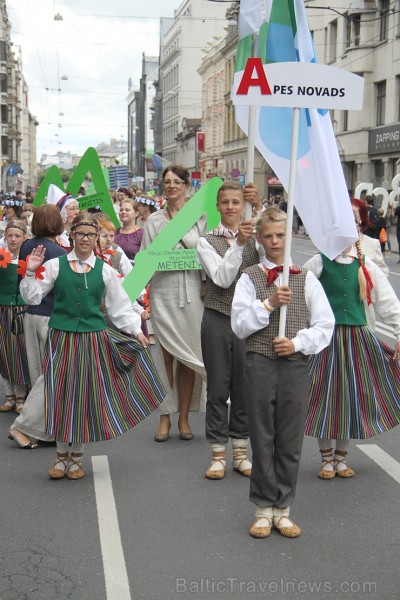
[(22, 269), (39, 272), (5, 258)]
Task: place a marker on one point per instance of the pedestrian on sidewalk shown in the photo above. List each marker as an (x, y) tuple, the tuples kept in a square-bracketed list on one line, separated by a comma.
[(277, 371)]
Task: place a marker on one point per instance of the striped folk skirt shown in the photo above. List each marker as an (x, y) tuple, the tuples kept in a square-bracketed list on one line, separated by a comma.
[(355, 387), (13, 360), (97, 385)]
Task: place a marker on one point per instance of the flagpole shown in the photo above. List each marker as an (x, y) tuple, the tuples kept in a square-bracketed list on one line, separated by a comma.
[(251, 137), (289, 220)]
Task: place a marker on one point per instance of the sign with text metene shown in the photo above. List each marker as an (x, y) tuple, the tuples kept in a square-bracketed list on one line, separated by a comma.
[(176, 260)]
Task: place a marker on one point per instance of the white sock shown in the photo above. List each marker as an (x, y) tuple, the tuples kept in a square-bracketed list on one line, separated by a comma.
[(219, 464), (264, 516), (62, 448), (341, 446), (327, 457), (240, 460), (282, 512), (76, 449)]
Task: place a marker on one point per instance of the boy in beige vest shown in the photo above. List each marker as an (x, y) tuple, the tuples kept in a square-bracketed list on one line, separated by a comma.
[(277, 370)]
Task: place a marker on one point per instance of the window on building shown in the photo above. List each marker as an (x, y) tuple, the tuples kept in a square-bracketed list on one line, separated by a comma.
[(352, 34), (4, 144), (325, 59), (4, 114), (356, 27), (3, 50), (384, 16), (398, 96), (348, 32), (380, 102), (332, 40), (345, 120), (3, 82), (379, 171)]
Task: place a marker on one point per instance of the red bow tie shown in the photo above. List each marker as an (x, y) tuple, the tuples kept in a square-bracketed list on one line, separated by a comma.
[(274, 273), (110, 251)]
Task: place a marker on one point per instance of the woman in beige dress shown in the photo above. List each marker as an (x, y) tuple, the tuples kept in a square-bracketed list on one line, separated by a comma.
[(176, 313)]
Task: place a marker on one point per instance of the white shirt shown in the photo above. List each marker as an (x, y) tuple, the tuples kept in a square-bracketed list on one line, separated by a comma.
[(221, 269), (117, 302), (383, 297), (249, 315), (372, 248)]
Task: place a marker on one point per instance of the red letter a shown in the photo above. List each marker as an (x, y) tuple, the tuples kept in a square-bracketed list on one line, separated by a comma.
[(247, 79)]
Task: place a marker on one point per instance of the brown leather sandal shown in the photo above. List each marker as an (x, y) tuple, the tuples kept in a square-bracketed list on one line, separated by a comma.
[(258, 531), (347, 472), (327, 459), (240, 459), (59, 473), (293, 531), (9, 404), (75, 459), (217, 457), (19, 405)]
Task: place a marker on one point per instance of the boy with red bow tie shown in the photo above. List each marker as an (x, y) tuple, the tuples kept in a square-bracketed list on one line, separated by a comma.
[(277, 370)]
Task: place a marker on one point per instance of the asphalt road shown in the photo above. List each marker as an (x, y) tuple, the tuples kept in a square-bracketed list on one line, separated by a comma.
[(157, 529)]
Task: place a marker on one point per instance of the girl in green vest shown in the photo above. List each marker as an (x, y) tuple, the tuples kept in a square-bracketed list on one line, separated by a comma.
[(99, 382), (13, 361), (355, 381)]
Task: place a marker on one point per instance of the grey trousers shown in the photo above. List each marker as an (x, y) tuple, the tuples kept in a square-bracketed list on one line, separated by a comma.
[(277, 394), (223, 356), (31, 421)]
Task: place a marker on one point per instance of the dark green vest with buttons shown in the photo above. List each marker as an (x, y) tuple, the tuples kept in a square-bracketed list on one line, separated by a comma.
[(340, 283), (8, 286), (75, 307)]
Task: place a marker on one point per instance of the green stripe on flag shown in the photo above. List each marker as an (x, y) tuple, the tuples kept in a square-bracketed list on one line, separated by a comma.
[(262, 43), (244, 51), (284, 14)]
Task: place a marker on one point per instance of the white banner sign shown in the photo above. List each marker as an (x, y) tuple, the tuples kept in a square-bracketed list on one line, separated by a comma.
[(297, 84)]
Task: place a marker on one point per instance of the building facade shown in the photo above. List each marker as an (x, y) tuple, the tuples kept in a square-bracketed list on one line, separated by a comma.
[(18, 126), (195, 22), (363, 36)]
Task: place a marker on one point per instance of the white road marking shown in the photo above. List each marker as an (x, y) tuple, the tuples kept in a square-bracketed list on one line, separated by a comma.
[(381, 458), (116, 576)]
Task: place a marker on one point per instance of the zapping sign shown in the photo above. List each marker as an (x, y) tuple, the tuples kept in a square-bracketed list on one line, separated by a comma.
[(297, 84)]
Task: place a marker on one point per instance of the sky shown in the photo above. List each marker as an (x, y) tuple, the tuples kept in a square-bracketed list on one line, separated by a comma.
[(98, 45)]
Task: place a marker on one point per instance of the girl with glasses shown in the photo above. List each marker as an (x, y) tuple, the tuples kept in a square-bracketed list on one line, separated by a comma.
[(99, 382)]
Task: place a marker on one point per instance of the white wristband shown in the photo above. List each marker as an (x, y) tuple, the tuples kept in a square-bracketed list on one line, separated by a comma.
[(29, 273)]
